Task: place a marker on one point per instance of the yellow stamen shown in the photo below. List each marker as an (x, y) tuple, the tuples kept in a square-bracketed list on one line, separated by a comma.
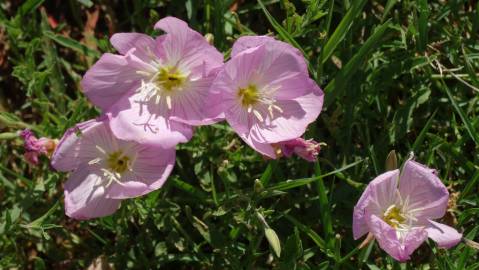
[(393, 216), (117, 162), (249, 95), (169, 78)]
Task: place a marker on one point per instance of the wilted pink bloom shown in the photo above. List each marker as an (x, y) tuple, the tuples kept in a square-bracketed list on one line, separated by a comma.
[(35, 147), (105, 170), (155, 86), (399, 209), (266, 94), (306, 149)]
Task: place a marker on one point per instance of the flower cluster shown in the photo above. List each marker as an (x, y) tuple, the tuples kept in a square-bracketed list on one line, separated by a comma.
[(156, 90)]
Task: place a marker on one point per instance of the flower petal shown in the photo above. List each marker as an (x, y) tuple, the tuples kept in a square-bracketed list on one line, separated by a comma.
[(443, 235), (144, 45), (426, 195), (379, 193), (134, 123), (112, 77), (85, 197), (186, 48), (149, 172), (247, 42), (387, 237), (191, 106), (292, 121), (69, 154), (263, 148)]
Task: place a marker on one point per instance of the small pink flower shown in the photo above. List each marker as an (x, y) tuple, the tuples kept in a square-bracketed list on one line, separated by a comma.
[(266, 94), (158, 87), (35, 147), (306, 149), (399, 210), (105, 170)]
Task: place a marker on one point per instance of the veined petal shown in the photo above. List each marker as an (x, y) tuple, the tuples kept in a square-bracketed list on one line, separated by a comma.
[(191, 106), (131, 120), (443, 235), (263, 148), (379, 194), (426, 195), (70, 152), (247, 42), (399, 249), (186, 48), (144, 45), (150, 169), (292, 121), (112, 77), (85, 196)]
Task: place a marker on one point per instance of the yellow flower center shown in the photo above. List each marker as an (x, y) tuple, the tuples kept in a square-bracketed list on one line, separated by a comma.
[(394, 217), (117, 162), (248, 95), (169, 78)]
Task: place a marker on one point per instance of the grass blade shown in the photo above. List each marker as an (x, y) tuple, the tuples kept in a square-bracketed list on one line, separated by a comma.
[(72, 44), (469, 127), (335, 86), (341, 31)]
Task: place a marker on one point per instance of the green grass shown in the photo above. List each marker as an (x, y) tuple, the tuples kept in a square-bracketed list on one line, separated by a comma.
[(399, 75)]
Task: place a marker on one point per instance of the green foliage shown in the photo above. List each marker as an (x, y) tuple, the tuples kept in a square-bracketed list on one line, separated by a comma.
[(397, 75)]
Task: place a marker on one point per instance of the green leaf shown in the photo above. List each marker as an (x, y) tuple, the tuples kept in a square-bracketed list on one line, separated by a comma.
[(469, 127), (422, 24), (268, 173), (422, 134), (29, 6), (342, 29), (72, 44), (301, 182), (335, 87)]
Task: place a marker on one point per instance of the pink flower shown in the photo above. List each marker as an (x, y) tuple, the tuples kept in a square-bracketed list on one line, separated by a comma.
[(401, 215), (35, 147), (105, 170), (266, 94), (306, 149), (156, 86)]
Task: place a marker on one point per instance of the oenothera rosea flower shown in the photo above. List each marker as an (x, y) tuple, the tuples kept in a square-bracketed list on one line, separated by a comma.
[(156, 86), (35, 147), (306, 149), (266, 93), (399, 209), (105, 170)]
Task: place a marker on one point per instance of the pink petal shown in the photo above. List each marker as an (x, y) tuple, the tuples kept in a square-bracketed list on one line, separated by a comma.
[(134, 123), (399, 249), (150, 170), (85, 197), (380, 193), (426, 193), (247, 42), (187, 48), (292, 122), (144, 45), (443, 235), (237, 73), (112, 77), (263, 148), (191, 106), (68, 154)]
